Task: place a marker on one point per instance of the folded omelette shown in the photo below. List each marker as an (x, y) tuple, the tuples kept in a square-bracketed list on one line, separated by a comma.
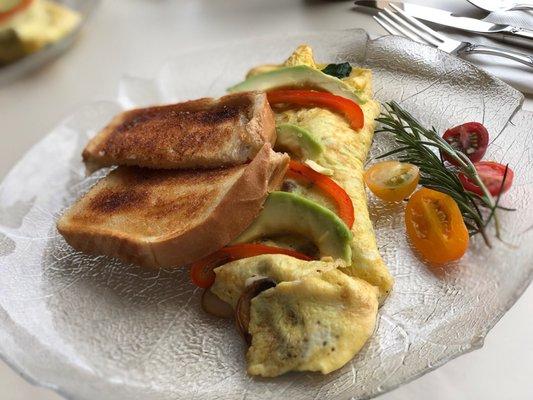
[(320, 313)]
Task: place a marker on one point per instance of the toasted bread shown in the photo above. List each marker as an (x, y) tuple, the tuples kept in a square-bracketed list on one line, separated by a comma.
[(164, 218), (204, 133)]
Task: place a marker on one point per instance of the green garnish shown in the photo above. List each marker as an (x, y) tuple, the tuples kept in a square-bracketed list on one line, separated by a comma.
[(338, 70), (417, 146)]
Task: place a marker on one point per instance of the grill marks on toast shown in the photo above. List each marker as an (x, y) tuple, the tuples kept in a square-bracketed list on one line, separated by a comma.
[(170, 200), (190, 178), (109, 201), (165, 218), (202, 133)]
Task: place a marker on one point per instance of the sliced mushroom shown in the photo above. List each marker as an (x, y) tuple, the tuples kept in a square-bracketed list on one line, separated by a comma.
[(242, 309), (212, 304)]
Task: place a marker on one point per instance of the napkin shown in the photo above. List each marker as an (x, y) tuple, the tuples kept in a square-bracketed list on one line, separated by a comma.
[(517, 75)]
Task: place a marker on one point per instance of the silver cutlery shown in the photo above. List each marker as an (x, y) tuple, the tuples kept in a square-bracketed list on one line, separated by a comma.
[(495, 5), (505, 33), (401, 24)]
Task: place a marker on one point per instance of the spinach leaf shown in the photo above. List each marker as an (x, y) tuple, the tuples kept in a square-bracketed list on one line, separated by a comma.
[(338, 70)]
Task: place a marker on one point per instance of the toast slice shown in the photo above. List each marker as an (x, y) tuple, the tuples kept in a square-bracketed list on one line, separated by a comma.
[(165, 218), (205, 133)]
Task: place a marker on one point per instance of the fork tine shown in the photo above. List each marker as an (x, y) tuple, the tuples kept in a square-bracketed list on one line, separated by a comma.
[(418, 24), (387, 27), (404, 32), (427, 38)]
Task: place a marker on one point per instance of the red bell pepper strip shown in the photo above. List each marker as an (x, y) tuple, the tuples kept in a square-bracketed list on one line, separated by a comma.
[(350, 109), (298, 170), (22, 5)]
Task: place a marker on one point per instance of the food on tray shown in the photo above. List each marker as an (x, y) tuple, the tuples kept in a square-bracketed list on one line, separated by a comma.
[(392, 180), (461, 194), (290, 246), (471, 139), (497, 178), (202, 270), (159, 218), (286, 246), (204, 133), (299, 265), (339, 130), (292, 214), (234, 277), (27, 26), (311, 317), (317, 323), (435, 226)]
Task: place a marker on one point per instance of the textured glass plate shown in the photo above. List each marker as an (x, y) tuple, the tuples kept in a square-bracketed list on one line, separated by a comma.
[(33, 61), (94, 328)]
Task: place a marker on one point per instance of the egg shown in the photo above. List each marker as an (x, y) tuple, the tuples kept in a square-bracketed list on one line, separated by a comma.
[(345, 152), (320, 313), (316, 323), (231, 278)]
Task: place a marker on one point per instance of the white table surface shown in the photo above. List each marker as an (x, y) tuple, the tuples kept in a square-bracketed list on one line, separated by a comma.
[(135, 37)]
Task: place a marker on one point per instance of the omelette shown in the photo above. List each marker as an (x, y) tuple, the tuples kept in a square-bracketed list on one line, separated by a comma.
[(316, 323), (320, 313)]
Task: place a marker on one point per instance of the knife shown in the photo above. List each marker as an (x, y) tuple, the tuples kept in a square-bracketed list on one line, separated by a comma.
[(505, 33)]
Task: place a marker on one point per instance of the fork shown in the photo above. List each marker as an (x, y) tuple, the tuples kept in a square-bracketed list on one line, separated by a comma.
[(401, 24)]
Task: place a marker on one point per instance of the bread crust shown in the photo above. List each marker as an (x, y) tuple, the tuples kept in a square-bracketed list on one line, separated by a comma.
[(233, 214), (203, 133)]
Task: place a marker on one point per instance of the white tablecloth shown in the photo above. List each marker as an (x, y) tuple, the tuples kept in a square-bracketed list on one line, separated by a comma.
[(135, 37)]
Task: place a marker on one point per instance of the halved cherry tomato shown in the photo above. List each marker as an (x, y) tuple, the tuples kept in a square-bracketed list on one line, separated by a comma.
[(300, 171), (350, 109), (435, 226), (471, 139), (392, 180), (202, 274), (20, 6), (491, 174)]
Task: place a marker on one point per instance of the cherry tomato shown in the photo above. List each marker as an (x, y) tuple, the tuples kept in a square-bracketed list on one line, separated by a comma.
[(435, 226), (300, 171), (202, 273), (349, 108), (491, 174), (392, 180), (471, 139)]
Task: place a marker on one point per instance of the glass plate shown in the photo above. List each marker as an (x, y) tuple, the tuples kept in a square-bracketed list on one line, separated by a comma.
[(92, 327), (48, 53)]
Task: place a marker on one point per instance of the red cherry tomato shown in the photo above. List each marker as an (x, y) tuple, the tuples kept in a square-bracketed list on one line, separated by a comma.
[(471, 139), (491, 173)]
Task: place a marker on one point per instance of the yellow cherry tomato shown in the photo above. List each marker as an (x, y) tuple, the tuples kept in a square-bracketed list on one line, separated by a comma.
[(392, 180), (435, 226)]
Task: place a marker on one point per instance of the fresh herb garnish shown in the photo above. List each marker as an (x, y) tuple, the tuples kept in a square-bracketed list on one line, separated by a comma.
[(417, 146), (338, 70)]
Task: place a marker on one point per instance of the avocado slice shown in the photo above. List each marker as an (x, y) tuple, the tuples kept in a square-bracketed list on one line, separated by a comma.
[(298, 141), (299, 76), (286, 213)]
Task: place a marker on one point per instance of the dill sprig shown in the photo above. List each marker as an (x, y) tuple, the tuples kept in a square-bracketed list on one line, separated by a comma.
[(417, 145)]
